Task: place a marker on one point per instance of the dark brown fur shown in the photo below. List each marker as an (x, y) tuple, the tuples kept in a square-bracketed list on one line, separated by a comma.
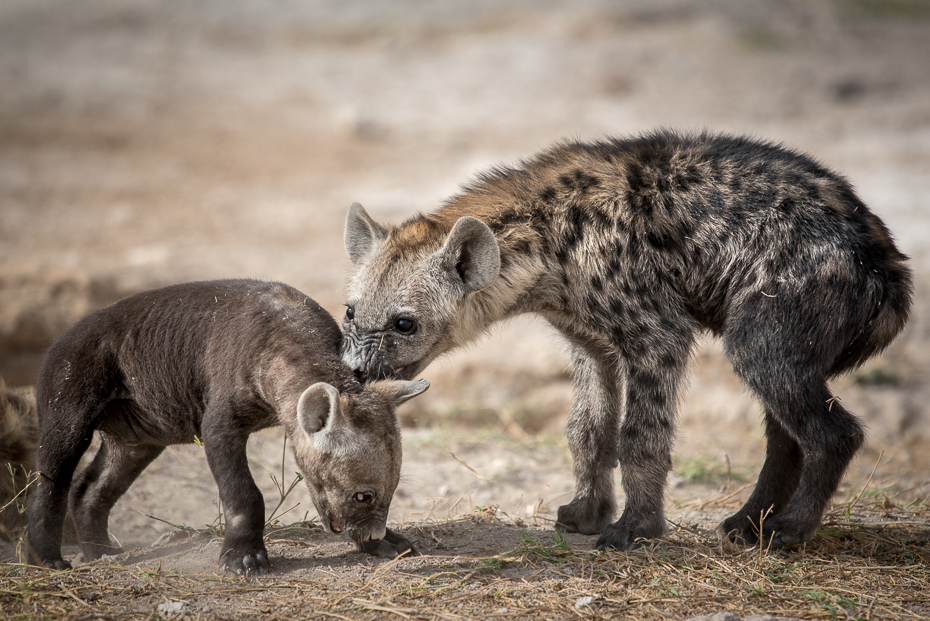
[(214, 362)]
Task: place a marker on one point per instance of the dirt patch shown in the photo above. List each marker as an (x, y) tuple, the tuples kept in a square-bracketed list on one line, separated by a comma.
[(867, 562)]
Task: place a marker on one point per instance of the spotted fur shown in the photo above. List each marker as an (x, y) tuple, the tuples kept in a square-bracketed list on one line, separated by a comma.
[(631, 248)]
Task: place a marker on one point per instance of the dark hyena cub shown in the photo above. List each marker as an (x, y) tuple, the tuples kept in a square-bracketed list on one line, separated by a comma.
[(630, 248), (214, 361)]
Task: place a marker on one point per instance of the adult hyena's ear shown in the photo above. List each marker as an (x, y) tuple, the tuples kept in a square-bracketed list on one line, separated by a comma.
[(399, 391), (362, 233), (319, 408), (472, 251)]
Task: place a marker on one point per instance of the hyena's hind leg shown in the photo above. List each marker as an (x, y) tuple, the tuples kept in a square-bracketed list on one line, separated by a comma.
[(828, 437), (57, 456), (114, 468), (593, 434), (777, 483), (791, 386)]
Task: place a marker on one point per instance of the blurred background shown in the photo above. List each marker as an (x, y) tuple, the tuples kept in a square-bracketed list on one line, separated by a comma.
[(147, 142)]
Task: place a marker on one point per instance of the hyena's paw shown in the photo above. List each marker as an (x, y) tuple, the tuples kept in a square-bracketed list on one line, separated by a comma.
[(50, 560), (585, 516), (738, 529), (784, 529), (392, 546), (93, 551), (244, 559), (778, 530), (59, 564), (628, 533)]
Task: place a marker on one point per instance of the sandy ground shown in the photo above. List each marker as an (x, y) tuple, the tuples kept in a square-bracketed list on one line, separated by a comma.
[(144, 143)]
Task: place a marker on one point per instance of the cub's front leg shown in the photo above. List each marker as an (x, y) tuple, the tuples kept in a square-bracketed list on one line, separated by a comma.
[(243, 550), (645, 446), (592, 438)]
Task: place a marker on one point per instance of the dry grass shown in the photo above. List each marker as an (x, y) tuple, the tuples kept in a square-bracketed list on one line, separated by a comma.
[(866, 562)]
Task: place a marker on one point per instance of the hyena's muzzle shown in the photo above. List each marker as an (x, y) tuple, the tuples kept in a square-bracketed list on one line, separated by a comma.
[(368, 355), (371, 528)]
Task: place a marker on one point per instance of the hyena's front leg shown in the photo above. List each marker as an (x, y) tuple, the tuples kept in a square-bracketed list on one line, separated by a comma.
[(645, 442), (592, 437), (243, 550)]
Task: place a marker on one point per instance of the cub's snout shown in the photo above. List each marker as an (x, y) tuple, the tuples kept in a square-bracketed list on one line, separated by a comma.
[(371, 357), (361, 533)]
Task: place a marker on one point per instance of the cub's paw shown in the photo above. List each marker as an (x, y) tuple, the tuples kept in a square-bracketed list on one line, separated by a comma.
[(584, 516), (35, 559), (93, 551), (626, 534), (59, 564), (777, 531), (244, 560), (392, 546), (782, 530), (738, 529)]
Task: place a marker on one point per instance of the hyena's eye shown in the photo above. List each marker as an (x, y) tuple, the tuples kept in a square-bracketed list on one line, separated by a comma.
[(350, 312), (363, 497), (404, 325)]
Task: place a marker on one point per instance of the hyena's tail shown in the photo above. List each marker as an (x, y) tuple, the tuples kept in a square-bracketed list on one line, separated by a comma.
[(892, 291)]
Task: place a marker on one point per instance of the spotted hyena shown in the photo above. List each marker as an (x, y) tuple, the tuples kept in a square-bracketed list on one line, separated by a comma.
[(630, 248), (212, 362)]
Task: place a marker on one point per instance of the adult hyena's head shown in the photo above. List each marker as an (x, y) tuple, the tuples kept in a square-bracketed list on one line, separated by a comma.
[(407, 300), (348, 448)]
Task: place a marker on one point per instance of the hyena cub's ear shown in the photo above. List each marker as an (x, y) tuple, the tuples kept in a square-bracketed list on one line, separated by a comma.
[(319, 408), (472, 251), (399, 391), (362, 233)]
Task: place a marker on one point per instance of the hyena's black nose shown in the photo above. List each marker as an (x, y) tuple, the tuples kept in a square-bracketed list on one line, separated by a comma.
[(360, 374)]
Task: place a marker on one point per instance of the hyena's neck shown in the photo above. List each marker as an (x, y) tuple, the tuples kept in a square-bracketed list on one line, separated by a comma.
[(280, 381), (524, 282), (515, 291)]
